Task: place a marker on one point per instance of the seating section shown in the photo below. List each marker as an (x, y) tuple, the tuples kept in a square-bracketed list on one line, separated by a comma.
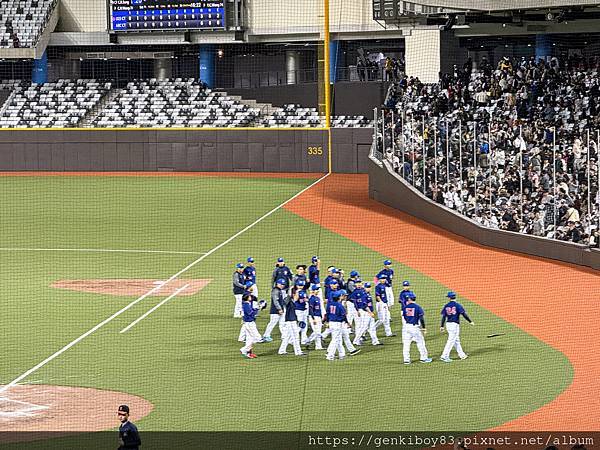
[(173, 103), (292, 115), (52, 105), (23, 21)]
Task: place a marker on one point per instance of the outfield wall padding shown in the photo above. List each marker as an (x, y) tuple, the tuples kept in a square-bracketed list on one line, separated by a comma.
[(228, 150), (387, 187)]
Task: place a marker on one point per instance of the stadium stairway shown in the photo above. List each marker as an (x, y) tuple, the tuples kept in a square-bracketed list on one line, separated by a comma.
[(88, 120), (265, 108)]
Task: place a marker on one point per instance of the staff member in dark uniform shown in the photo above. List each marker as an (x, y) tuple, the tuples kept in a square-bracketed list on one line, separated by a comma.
[(129, 438)]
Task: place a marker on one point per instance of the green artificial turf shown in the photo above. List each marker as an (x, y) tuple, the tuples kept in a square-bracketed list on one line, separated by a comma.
[(185, 358)]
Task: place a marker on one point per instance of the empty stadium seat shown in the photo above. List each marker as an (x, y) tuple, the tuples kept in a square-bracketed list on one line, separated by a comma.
[(25, 21)]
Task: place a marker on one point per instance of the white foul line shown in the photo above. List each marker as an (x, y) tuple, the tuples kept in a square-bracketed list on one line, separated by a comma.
[(152, 291), (147, 313), (94, 250)]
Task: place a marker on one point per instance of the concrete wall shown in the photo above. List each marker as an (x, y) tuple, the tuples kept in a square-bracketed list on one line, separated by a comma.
[(182, 150), (387, 187)]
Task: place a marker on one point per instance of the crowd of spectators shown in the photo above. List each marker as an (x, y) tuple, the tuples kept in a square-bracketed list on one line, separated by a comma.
[(513, 146)]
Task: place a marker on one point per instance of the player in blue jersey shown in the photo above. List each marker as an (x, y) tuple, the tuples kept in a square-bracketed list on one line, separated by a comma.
[(405, 293), (364, 305), (346, 327), (336, 317), (388, 272), (414, 322), (239, 287), (290, 329), (328, 280), (247, 291), (251, 333), (451, 313), (282, 272), (300, 276), (315, 317), (383, 312), (250, 274), (351, 283)]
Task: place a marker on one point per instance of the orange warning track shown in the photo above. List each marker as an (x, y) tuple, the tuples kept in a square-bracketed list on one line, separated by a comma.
[(529, 292)]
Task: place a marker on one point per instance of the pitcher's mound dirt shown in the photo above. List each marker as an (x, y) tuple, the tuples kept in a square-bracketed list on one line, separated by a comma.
[(64, 408), (131, 287)]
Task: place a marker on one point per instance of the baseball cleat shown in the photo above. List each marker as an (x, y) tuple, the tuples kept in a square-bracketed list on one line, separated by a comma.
[(407, 362), (378, 343), (252, 355), (391, 335), (428, 360), (464, 357), (246, 355), (446, 360), (330, 359), (267, 339), (355, 352), (282, 353), (302, 354)]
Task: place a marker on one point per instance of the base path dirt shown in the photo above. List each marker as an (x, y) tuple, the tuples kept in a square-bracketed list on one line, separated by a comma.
[(529, 292), (63, 408), (129, 287)]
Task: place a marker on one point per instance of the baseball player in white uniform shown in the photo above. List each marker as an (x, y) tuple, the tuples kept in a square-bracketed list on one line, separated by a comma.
[(451, 313), (413, 317)]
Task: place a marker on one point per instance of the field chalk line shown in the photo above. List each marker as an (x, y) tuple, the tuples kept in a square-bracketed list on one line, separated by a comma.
[(153, 290), (151, 310), (94, 250)]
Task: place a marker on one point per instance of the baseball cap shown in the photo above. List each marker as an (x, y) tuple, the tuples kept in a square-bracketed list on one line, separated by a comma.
[(367, 284), (335, 294), (412, 295), (333, 282), (239, 266), (451, 294), (123, 408), (382, 277), (354, 273), (334, 270), (300, 283), (314, 258), (315, 287), (280, 281), (406, 283), (250, 259), (387, 262), (302, 294), (343, 292), (279, 259), (249, 283), (358, 280)]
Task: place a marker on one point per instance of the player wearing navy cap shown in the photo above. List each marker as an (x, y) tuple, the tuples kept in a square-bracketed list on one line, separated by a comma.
[(248, 291), (346, 327), (239, 287), (414, 316), (290, 328), (301, 306), (249, 325), (328, 280), (282, 272), (336, 317), (250, 274), (129, 437), (333, 288), (278, 295), (300, 276), (364, 305), (351, 312), (315, 317), (389, 280), (351, 283), (451, 313), (383, 312), (314, 271)]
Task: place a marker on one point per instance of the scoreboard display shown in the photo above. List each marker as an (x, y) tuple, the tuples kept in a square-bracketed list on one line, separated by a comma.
[(156, 15)]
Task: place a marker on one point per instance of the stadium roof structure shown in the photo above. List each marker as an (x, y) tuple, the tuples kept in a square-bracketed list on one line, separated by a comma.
[(501, 5)]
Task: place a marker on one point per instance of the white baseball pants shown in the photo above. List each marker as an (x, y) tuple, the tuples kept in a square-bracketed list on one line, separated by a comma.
[(274, 320), (254, 290), (237, 309), (346, 337), (383, 318), (335, 346), (290, 336), (252, 336), (366, 324), (453, 330), (412, 333), (316, 324), (303, 317), (351, 314), (389, 293)]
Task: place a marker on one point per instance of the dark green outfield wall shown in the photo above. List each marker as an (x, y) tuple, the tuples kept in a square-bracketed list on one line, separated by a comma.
[(260, 150)]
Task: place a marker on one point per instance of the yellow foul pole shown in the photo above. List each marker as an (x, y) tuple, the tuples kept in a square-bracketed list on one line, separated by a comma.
[(326, 40)]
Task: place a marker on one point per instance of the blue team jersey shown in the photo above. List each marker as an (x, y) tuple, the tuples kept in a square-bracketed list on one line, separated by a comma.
[(335, 311), (390, 276), (404, 295), (412, 313), (357, 297), (300, 305), (314, 306), (327, 284), (250, 274), (249, 312), (283, 273), (380, 292), (368, 299), (303, 278), (313, 274), (452, 311)]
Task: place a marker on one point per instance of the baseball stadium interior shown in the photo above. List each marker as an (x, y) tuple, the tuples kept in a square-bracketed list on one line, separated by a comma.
[(439, 153)]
